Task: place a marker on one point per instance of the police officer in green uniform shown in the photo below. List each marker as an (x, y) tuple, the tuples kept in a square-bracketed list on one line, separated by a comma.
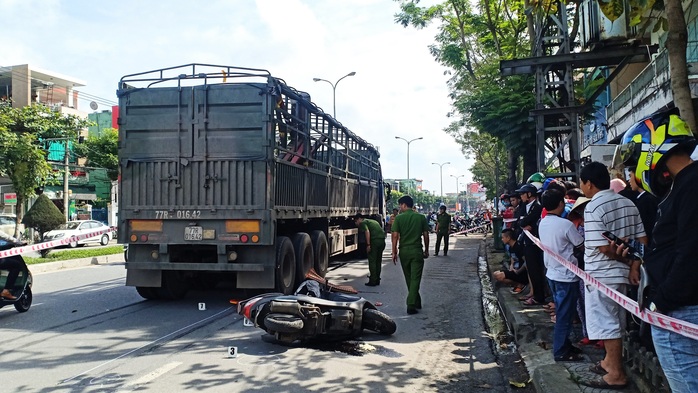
[(375, 244), (406, 231), (443, 226)]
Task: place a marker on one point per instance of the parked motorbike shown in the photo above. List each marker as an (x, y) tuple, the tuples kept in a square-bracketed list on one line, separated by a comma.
[(314, 313), (23, 285)]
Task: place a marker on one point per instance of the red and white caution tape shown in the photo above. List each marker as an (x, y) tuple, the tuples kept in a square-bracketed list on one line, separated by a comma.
[(653, 318), (52, 244)]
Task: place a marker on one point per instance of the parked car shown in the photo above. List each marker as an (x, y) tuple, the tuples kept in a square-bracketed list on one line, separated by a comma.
[(73, 228), (8, 222)]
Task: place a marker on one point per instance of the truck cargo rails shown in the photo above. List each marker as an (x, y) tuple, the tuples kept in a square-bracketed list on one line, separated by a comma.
[(229, 173)]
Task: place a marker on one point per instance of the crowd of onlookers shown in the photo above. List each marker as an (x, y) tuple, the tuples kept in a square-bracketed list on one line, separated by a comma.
[(645, 200)]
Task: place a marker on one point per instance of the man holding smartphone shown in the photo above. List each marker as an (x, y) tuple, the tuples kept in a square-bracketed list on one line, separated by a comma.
[(607, 211)]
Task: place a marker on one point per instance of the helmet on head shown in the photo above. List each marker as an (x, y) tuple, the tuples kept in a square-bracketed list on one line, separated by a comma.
[(504, 196), (546, 184), (537, 177), (645, 144)]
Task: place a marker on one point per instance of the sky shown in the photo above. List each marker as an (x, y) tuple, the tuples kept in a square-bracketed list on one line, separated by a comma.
[(398, 89)]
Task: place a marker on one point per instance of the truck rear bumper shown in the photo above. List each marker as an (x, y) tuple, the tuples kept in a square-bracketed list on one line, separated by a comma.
[(220, 267)]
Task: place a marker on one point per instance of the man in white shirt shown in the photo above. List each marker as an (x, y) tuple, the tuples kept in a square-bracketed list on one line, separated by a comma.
[(562, 237), (607, 211)]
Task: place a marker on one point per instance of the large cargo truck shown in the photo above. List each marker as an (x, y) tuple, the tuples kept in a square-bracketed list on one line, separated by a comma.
[(228, 172)]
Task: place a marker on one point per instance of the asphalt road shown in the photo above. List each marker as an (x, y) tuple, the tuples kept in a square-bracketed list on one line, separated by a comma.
[(87, 332)]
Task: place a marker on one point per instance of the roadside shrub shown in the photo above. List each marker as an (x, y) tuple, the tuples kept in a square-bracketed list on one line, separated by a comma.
[(43, 216)]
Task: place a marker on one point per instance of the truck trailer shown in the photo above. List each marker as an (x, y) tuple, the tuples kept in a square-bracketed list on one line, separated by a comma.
[(228, 172)]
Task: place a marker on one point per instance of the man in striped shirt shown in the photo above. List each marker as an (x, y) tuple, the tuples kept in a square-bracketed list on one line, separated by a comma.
[(607, 211)]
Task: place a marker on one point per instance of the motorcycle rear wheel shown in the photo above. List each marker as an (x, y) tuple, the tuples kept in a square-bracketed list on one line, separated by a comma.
[(378, 322), (283, 323)]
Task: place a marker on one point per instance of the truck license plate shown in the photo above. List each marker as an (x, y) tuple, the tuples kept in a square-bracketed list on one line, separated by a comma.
[(193, 233)]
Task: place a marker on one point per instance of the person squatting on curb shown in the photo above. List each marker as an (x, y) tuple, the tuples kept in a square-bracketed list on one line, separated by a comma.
[(406, 231)]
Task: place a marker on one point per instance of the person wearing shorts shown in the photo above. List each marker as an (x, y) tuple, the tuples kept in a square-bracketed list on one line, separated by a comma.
[(607, 211)]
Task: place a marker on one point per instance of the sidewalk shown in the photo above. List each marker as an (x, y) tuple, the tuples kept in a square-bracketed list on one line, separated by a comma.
[(533, 332), (73, 263)]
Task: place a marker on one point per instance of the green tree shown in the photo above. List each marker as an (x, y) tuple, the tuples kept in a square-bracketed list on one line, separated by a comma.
[(470, 43), (43, 216), (102, 151), (22, 158)]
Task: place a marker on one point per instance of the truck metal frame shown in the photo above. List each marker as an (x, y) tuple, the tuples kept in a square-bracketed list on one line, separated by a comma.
[(228, 169)]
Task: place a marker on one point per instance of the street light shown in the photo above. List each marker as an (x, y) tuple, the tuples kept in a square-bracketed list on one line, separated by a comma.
[(408, 152), (441, 176), (457, 191), (334, 91)]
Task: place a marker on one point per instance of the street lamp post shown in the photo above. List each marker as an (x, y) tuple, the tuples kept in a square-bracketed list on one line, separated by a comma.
[(334, 91), (441, 176), (408, 152), (457, 190)]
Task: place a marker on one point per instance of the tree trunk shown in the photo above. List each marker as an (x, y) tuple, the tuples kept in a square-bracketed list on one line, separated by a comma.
[(512, 164), (530, 162), (530, 26), (677, 39), (19, 214)]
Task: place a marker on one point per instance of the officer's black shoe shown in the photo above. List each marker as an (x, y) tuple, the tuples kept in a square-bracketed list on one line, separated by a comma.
[(445, 254), (372, 284), (436, 254), (412, 311)]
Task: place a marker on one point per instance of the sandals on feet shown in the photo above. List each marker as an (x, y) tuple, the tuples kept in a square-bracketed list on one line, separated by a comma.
[(600, 383), (570, 357), (531, 302), (597, 369)]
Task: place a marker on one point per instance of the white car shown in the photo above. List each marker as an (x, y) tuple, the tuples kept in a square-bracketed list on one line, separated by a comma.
[(74, 228)]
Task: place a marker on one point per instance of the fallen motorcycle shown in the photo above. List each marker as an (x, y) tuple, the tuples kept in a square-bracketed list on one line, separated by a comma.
[(314, 313)]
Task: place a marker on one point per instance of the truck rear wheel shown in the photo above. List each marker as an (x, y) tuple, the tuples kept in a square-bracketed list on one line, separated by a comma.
[(285, 265), (173, 286), (305, 259), (321, 252), (148, 293)]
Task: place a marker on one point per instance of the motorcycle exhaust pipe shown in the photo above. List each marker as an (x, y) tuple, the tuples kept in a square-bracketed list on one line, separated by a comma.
[(292, 308)]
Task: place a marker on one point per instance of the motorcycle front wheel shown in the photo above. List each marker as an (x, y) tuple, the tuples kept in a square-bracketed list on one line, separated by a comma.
[(283, 323), (378, 322)]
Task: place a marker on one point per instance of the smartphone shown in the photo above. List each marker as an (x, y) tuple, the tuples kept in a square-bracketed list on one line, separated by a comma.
[(632, 251)]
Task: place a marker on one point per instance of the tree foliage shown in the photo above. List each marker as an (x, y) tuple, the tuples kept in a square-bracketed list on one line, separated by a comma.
[(22, 158), (102, 151), (43, 216), (473, 38)]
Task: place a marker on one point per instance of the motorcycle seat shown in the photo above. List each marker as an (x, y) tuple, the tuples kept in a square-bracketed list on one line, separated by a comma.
[(340, 297)]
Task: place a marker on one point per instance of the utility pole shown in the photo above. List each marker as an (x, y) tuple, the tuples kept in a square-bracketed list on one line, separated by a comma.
[(441, 176), (66, 189)]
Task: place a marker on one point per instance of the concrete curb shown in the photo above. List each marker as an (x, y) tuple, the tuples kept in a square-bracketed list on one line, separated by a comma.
[(73, 263), (533, 334)]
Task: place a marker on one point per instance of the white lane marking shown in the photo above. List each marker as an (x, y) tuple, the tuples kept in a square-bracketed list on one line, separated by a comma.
[(143, 346), (151, 376)]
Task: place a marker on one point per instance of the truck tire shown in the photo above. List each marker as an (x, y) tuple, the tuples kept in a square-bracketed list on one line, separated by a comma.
[(379, 322), (283, 323), (305, 259), (148, 293), (321, 252), (285, 266), (173, 286)]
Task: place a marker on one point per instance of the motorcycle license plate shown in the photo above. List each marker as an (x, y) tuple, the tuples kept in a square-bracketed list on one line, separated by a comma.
[(193, 233), (247, 322)]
